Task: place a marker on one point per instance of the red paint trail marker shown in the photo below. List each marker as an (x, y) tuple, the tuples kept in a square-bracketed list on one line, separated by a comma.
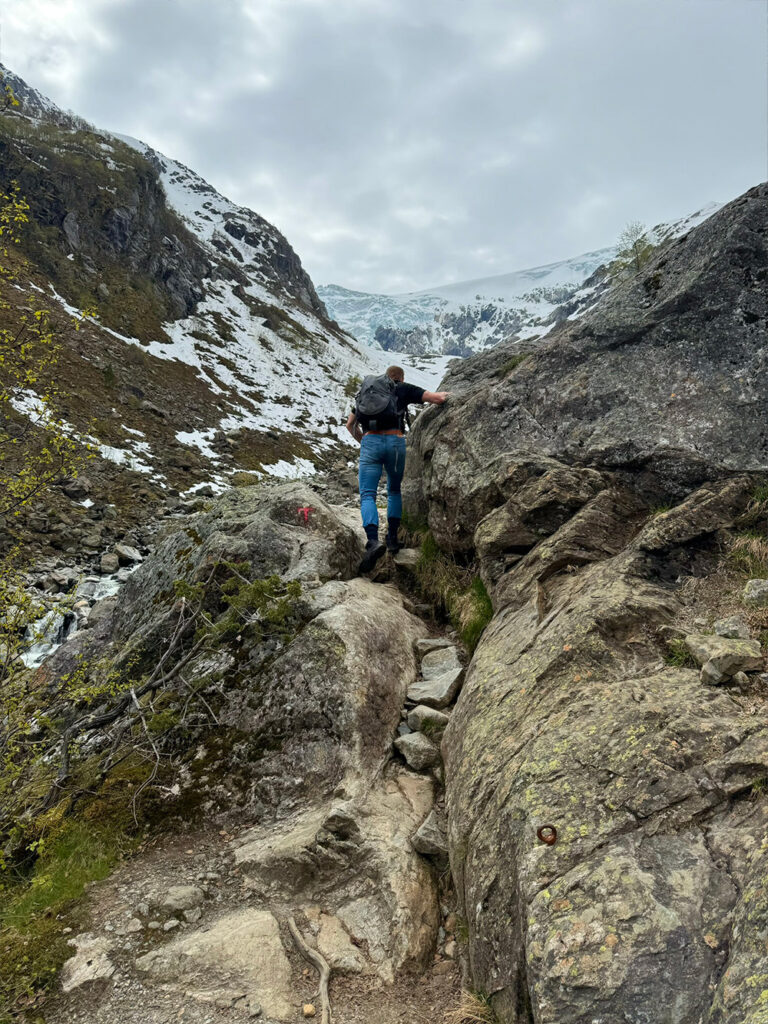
[(305, 512)]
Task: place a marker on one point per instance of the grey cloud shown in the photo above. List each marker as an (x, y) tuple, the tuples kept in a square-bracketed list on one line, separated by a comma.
[(400, 145)]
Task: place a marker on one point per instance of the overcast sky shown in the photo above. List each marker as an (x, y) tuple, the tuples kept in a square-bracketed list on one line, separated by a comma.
[(406, 143)]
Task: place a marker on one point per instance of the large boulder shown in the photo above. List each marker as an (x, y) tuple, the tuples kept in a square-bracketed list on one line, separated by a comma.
[(568, 719), (664, 380), (322, 715), (606, 810), (260, 525)]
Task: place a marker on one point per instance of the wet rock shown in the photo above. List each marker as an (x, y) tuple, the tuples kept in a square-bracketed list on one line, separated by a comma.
[(127, 555), (102, 610), (109, 563)]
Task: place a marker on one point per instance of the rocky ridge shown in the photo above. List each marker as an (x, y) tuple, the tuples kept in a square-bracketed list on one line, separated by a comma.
[(472, 316), (606, 762)]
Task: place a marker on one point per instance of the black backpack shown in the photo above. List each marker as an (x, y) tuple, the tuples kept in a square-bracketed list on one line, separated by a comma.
[(376, 398)]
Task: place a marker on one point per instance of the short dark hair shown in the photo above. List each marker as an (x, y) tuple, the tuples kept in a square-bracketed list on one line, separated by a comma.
[(396, 373)]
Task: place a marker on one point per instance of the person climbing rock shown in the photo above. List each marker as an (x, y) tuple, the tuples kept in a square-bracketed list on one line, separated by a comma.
[(378, 423)]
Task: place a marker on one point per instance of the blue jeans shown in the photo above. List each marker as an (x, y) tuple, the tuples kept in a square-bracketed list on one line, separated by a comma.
[(377, 452)]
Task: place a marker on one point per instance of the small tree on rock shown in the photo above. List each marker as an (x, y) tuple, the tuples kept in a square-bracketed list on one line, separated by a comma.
[(635, 247)]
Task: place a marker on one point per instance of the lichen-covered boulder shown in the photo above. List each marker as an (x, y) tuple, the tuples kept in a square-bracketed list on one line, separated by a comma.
[(262, 526), (568, 719), (725, 656)]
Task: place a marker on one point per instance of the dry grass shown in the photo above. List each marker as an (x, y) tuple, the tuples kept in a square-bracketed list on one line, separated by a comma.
[(757, 510), (749, 554), (472, 1009)]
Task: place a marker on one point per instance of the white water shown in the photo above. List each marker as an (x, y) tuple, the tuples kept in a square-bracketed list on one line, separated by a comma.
[(58, 625)]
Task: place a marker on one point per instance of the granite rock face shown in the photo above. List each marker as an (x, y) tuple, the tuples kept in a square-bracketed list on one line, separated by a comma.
[(663, 381), (588, 481)]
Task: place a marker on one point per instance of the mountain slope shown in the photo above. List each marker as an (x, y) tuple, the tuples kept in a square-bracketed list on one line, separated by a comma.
[(210, 352), (471, 316)]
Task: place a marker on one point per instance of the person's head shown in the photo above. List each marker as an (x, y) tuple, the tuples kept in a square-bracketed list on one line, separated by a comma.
[(396, 373)]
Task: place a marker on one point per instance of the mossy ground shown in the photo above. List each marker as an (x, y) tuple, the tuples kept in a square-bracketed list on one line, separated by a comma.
[(455, 590)]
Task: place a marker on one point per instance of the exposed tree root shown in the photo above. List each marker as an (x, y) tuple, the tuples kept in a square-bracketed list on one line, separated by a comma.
[(319, 963)]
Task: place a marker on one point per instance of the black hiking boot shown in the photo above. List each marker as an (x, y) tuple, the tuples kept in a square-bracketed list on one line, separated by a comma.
[(374, 549), (393, 545)]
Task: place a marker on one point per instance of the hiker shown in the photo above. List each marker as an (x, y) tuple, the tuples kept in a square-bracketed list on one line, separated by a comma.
[(378, 423)]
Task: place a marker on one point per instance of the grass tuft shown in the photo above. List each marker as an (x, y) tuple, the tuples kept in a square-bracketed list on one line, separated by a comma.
[(757, 509), (473, 1008), (455, 590), (678, 654), (749, 554)]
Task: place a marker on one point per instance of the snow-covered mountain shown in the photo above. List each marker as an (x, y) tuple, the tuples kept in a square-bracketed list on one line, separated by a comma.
[(210, 333), (472, 316)]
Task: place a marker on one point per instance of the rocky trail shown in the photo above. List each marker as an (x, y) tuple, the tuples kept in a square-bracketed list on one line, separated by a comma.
[(194, 927), (572, 822)]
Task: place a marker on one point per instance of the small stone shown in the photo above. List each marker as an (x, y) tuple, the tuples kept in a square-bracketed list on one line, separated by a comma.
[(403, 729), (308, 1010), (170, 925), (438, 662), (109, 563), (432, 643), (430, 721), (710, 675), (134, 925), (429, 839), (143, 909), (407, 558), (438, 692), (183, 897), (756, 593), (154, 926), (450, 949), (726, 656), (734, 627), (193, 915), (418, 751)]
